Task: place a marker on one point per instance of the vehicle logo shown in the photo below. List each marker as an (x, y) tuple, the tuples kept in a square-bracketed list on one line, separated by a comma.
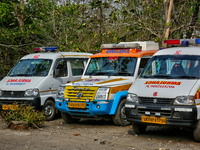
[(12, 93), (177, 52), (155, 93), (79, 94), (155, 101)]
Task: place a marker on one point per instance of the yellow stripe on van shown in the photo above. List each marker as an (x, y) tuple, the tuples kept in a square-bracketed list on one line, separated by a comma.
[(113, 80)]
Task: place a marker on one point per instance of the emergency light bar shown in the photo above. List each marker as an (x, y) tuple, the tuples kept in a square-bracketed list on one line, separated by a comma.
[(183, 42), (45, 49), (129, 45)]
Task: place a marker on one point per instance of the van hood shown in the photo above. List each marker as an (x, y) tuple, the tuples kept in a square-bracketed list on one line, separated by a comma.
[(19, 83), (107, 82), (162, 88)]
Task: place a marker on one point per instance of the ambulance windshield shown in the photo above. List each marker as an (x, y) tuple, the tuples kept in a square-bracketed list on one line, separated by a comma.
[(31, 67), (111, 66), (173, 66)]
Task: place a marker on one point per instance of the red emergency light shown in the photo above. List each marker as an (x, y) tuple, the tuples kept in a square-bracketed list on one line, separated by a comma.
[(45, 49)]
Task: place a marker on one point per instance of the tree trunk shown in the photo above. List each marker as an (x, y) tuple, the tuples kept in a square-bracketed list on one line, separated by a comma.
[(19, 16), (168, 8)]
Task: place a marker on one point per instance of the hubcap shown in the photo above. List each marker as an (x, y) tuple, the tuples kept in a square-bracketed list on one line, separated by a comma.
[(123, 116), (48, 110)]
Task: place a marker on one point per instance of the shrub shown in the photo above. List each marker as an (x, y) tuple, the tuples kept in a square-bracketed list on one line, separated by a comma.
[(30, 117)]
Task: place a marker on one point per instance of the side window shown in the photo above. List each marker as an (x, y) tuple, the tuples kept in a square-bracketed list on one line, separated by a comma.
[(143, 62), (61, 69), (77, 67)]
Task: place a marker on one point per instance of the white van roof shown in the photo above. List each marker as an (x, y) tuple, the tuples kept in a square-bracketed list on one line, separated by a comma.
[(50, 55), (179, 51)]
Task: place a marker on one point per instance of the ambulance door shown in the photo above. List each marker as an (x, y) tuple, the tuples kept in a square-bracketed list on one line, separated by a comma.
[(61, 74), (77, 66)]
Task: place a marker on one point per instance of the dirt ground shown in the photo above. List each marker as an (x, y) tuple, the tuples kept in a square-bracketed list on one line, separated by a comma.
[(92, 135)]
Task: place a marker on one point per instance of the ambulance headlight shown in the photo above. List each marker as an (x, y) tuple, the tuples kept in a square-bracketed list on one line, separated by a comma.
[(61, 91), (102, 94), (132, 98), (31, 92), (184, 100)]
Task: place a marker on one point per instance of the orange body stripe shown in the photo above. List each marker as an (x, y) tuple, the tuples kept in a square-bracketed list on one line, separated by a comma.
[(137, 54), (116, 89)]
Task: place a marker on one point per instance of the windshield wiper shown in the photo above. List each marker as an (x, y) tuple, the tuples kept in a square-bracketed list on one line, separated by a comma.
[(192, 77), (21, 75), (158, 76)]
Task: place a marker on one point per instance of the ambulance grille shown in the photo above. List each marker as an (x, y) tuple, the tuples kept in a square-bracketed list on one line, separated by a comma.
[(87, 93), (156, 101), (163, 113), (12, 93)]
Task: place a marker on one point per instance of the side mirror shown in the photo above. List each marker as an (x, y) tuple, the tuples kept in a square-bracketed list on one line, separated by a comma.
[(140, 70), (56, 72)]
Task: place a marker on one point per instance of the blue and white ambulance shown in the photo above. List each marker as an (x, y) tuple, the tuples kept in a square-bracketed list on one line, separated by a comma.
[(101, 92), (36, 77), (168, 90)]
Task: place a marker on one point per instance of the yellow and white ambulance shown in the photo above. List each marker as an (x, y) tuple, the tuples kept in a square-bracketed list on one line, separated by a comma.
[(101, 93), (168, 90), (36, 77)]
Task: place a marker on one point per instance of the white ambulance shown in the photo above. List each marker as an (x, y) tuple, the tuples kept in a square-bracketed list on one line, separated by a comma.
[(101, 93), (36, 77), (168, 90)]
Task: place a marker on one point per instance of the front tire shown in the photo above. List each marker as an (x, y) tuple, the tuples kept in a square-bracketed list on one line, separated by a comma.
[(119, 118), (139, 128), (49, 110), (196, 132), (68, 119)]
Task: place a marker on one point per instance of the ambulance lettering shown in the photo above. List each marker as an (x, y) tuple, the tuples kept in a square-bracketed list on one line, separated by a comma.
[(117, 51), (17, 81), (161, 84), (87, 82)]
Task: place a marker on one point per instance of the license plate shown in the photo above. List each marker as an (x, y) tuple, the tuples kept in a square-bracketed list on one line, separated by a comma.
[(7, 107), (150, 119), (77, 105)]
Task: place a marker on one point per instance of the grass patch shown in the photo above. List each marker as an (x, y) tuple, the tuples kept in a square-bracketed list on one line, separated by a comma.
[(29, 117)]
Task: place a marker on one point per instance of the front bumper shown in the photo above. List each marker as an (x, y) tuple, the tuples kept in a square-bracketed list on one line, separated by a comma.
[(182, 116), (34, 101), (94, 108)]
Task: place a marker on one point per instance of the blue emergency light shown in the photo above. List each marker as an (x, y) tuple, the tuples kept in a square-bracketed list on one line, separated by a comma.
[(45, 49), (183, 42)]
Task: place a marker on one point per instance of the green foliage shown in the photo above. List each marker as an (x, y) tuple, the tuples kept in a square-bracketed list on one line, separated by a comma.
[(31, 118), (82, 26)]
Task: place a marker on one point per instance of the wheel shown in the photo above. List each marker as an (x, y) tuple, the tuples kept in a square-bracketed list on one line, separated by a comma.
[(119, 118), (49, 110), (139, 128), (68, 119), (196, 132)]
